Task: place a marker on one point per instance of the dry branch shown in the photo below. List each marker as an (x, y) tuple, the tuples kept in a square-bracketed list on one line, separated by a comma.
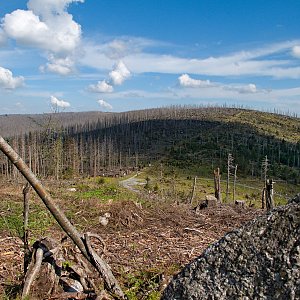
[(193, 229), (104, 269)]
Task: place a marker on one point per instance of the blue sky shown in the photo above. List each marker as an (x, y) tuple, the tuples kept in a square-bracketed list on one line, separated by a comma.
[(114, 55)]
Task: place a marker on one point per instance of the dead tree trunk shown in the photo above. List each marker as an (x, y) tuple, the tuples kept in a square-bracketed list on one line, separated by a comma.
[(55, 211), (193, 190), (219, 186), (263, 198), (269, 194), (217, 182), (234, 183), (229, 166)]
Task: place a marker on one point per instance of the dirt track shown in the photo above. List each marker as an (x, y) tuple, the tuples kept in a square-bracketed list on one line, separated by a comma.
[(131, 183)]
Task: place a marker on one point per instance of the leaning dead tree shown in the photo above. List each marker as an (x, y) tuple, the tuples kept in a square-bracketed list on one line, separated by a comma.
[(81, 241)]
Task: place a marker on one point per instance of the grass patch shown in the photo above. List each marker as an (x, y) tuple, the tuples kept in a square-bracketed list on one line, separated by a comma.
[(13, 224), (104, 189), (105, 193), (11, 219), (177, 185), (143, 285)]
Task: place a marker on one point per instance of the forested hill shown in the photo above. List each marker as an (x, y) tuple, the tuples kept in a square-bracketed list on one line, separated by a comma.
[(281, 126), (197, 139)]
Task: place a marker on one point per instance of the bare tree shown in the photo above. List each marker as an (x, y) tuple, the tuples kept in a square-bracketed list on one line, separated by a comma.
[(193, 190), (229, 167), (234, 182), (265, 168), (269, 194)]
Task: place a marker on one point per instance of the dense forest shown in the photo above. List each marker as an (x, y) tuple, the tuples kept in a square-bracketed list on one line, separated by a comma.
[(197, 139)]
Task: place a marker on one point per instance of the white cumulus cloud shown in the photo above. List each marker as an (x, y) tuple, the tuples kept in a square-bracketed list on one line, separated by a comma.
[(44, 7), (59, 103), (116, 77), (8, 81), (119, 73), (58, 33), (46, 25), (250, 88), (62, 66), (25, 27), (186, 81), (296, 51), (101, 87), (104, 104)]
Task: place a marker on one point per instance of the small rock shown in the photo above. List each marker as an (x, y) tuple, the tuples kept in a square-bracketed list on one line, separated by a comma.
[(103, 220)]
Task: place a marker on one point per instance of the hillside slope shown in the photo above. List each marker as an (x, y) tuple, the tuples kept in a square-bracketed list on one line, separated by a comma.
[(11, 125), (281, 126), (197, 139)]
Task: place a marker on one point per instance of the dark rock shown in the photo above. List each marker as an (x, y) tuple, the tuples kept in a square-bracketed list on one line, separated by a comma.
[(258, 261)]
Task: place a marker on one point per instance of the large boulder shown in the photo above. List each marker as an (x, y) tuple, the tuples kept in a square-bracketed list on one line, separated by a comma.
[(258, 261)]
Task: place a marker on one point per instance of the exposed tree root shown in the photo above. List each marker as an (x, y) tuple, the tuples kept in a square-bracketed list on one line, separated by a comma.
[(73, 280)]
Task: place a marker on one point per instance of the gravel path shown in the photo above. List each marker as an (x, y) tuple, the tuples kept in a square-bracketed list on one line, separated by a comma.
[(132, 182)]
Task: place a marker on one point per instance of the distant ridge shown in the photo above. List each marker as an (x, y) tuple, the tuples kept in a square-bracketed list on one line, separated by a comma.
[(281, 126), (183, 137), (16, 124)]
